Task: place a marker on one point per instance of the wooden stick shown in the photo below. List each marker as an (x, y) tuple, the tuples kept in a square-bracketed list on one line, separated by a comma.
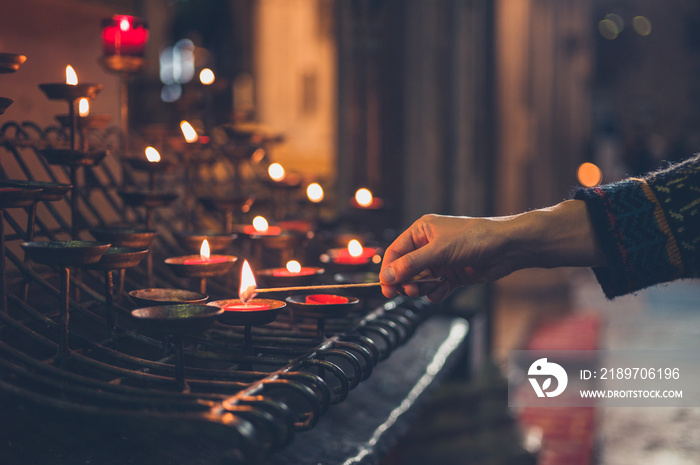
[(344, 286)]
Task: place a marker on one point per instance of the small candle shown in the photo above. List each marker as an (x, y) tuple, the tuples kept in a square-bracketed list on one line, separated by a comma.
[(152, 154), (252, 306), (327, 299), (124, 35), (261, 227), (354, 254), (205, 257), (71, 76), (293, 269)]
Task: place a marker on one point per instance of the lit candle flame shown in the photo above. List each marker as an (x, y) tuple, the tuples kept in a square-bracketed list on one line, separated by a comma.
[(71, 77), (589, 175), (206, 76), (293, 266), (248, 284), (276, 172), (189, 132), (204, 252), (124, 24), (355, 248), (260, 223), (152, 155), (84, 107), (314, 192), (363, 197)]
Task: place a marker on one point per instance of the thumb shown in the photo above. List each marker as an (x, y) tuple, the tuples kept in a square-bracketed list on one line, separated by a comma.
[(409, 265)]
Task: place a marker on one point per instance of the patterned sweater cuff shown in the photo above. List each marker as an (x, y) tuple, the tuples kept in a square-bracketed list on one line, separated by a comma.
[(632, 231)]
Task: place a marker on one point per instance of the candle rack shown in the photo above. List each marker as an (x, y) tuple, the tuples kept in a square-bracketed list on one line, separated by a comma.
[(176, 322), (64, 254)]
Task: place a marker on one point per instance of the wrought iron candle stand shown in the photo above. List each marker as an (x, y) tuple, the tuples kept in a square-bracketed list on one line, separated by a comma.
[(65, 254), (255, 312), (193, 266), (72, 157), (175, 323), (11, 197), (115, 258), (321, 307), (228, 206), (128, 236), (50, 192)]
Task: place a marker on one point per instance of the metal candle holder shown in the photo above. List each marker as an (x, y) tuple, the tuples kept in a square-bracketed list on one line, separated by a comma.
[(65, 254)]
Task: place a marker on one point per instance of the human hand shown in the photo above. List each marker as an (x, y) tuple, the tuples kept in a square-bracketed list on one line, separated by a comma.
[(466, 250)]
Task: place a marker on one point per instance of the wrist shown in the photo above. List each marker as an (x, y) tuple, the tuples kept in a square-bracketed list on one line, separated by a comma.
[(557, 236)]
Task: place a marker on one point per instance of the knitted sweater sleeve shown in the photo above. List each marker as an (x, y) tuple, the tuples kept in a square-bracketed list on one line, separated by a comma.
[(648, 228)]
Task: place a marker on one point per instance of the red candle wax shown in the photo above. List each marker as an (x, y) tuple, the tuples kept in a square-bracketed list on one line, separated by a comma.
[(283, 272), (246, 307), (124, 35), (204, 261), (270, 231), (344, 258), (320, 299)]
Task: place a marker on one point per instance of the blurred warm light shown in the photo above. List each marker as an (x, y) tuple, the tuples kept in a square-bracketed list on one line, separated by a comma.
[(355, 248), (152, 154), (641, 25), (276, 172), (363, 197), (314, 192), (617, 19), (293, 266), (206, 76), (83, 107), (260, 223), (204, 251), (71, 77), (189, 132), (124, 24), (589, 175), (247, 280), (608, 29)]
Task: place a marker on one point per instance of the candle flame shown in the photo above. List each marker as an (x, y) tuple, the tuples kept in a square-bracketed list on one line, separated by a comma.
[(71, 77), (189, 132), (355, 248), (248, 285), (260, 224), (204, 252), (314, 192), (363, 197), (276, 171), (84, 107), (293, 266), (124, 24), (152, 155)]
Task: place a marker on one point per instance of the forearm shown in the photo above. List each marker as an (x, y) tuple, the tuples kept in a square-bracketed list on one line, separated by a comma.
[(561, 235)]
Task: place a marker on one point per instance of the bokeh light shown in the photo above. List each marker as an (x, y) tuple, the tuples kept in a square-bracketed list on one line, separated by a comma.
[(589, 174), (641, 25)]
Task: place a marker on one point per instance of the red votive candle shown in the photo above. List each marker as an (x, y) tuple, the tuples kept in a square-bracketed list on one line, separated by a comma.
[(270, 231), (204, 261), (246, 307), (124, 35), (345, 258), (283, 272), (321, 299)]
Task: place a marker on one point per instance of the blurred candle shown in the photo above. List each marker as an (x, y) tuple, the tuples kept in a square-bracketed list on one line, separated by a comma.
[(314, 192), (124, 35), (276, 172), (189, 132), (363, 197), (71, 76), (83, 107), (293, 268), (152, 155), (206, 76)]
